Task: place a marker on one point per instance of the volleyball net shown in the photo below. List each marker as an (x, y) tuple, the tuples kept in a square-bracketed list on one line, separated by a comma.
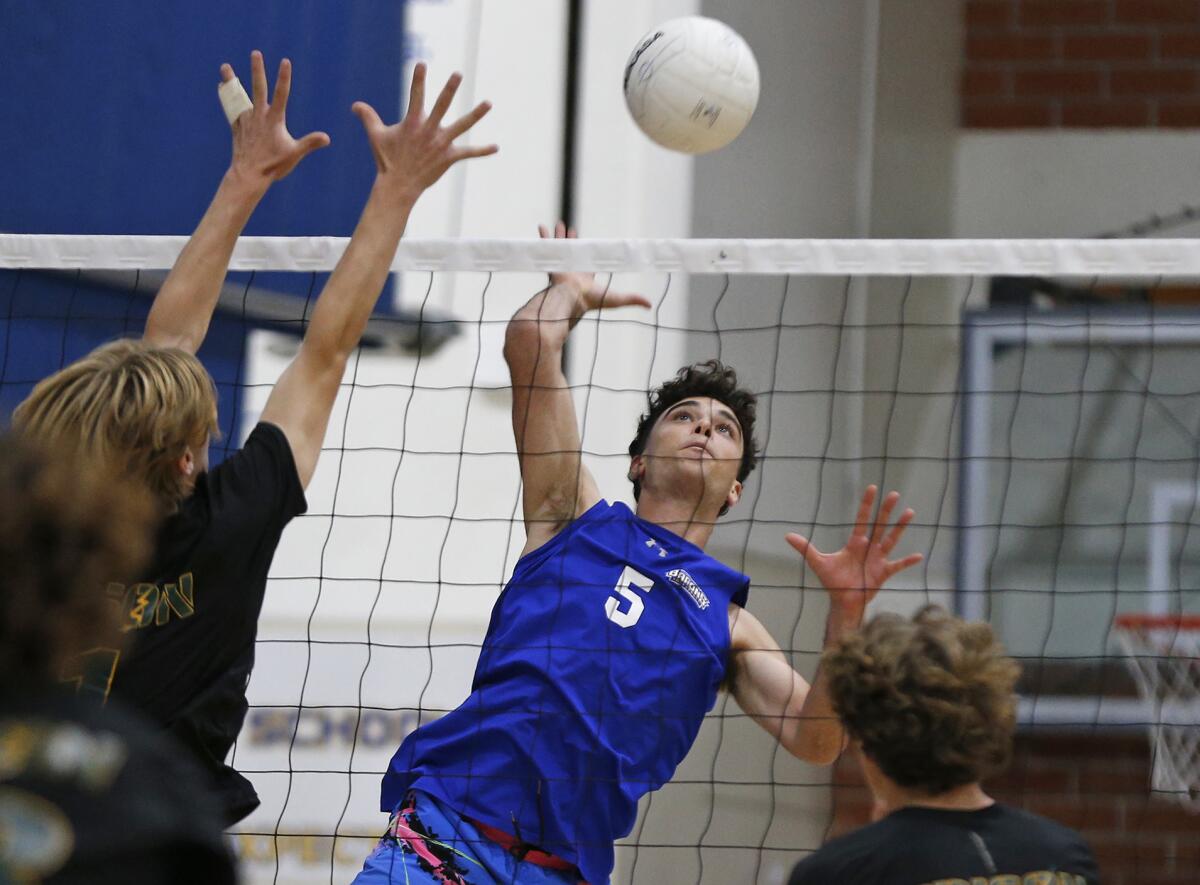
[(1037, 402)]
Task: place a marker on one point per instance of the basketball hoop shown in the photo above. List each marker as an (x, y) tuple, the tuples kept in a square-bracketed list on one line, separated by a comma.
[(1163, 654)]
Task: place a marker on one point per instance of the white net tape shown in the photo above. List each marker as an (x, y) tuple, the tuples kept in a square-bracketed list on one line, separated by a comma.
[(1086, 258), (1164, 657)]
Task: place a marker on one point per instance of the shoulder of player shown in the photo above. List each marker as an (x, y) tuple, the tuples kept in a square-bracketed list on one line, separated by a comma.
[(840, 857), (265, 458), (268, 437), (543, 534), (539, 533), (556, 508), (1028, 823)]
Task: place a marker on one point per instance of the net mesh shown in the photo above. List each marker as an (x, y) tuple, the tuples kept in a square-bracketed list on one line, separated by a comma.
[(1036, 402)]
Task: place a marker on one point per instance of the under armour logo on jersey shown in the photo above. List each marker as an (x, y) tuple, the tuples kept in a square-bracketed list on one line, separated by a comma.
[(684, 582), (650, 542)]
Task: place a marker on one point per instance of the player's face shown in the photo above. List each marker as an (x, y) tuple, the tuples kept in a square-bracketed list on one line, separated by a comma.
[(194, 462), (696, 436), (202, 455)]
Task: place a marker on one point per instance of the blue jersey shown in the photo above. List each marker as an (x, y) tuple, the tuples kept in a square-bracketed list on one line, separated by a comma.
[(604, 652)]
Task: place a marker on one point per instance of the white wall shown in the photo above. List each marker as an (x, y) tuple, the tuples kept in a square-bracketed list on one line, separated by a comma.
[(1071, 183)]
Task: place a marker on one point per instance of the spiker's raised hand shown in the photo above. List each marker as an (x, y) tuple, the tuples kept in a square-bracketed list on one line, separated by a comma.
[(591, 296)]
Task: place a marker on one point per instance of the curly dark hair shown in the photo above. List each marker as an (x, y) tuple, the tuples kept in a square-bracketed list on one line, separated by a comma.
[(712, 379), (67, 527), (930, 698)]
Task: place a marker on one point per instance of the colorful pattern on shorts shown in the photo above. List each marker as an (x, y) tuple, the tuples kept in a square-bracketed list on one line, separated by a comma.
[(427, 843), (434, 855)]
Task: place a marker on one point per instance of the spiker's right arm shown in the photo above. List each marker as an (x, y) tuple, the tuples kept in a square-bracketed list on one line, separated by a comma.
[(557, 487)]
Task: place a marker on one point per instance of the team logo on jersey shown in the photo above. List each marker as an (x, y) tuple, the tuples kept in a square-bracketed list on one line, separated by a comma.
[(684, 582)]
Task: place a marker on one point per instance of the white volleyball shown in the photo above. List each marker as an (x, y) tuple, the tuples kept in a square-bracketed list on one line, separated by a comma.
[(691, 84)]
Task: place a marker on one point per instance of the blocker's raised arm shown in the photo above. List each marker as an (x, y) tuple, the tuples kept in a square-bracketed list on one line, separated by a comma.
[(409, 157), (263, 152)]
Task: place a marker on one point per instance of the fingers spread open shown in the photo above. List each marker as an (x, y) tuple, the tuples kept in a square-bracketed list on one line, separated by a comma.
[(884, 517), (864, 510), (416, 92), (258, 76), (367, 115), (444, 98), (804, 547), (312, 142), (893, 537), (466, 121), (900, 565), (283, 87), (625, 299), (467, 153)]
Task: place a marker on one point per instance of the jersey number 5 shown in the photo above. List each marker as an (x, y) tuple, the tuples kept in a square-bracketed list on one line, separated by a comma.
[(627, 617)]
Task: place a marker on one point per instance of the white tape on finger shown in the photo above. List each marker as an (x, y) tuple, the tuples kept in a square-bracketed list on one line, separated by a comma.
[(234, 100)]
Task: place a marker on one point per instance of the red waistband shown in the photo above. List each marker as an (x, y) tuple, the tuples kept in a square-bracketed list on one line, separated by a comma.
[(511, 843)]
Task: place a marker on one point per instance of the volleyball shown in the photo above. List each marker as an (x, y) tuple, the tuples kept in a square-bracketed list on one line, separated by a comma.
[(691, 84)]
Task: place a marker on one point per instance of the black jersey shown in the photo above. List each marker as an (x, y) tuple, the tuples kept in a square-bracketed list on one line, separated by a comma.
[(194, 618), (99, 795), (919, 846)]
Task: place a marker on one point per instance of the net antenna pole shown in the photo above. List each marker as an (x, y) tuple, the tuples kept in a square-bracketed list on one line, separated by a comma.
[(566, 204), (854, 363), (566, 207)]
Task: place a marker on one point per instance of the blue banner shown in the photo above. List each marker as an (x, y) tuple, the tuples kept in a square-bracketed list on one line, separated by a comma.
[(110, 124)]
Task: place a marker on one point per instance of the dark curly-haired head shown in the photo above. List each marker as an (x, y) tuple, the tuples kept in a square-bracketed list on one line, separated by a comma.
[(67, 528), (712, 379), (930, 698)]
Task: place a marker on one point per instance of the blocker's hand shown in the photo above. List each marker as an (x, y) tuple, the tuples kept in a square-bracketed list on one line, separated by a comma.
[(414, 153), (263, 148), (855, 573)]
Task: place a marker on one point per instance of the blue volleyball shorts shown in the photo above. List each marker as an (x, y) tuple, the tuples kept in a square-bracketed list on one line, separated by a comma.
[(427, 843)]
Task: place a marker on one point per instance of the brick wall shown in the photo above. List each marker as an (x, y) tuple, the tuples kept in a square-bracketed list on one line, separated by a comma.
[(1081, 63), (1094, 783)]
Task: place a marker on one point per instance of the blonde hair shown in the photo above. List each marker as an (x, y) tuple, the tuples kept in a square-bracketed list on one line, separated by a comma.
[(128, 404)]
